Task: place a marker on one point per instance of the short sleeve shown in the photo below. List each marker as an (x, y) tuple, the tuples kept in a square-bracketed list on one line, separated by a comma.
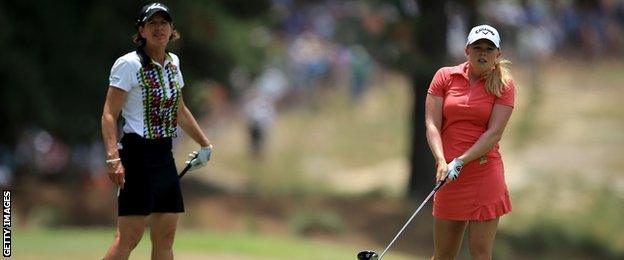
[(436, 87), (121, 74), (508, 95)]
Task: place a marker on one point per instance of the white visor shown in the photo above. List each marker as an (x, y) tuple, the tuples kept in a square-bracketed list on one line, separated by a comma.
[(484, 32)]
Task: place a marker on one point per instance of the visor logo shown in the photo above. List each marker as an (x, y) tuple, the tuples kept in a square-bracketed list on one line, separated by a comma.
[(153, 6), (484, 31), (156, 6)]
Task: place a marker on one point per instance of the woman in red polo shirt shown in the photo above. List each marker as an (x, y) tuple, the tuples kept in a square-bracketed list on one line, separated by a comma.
[(467, 108)]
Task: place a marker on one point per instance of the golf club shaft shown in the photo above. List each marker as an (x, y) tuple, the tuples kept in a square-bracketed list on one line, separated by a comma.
[(437, 186), (186, 168)]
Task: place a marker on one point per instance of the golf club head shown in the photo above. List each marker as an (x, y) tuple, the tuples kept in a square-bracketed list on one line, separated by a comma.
[(367, 255)]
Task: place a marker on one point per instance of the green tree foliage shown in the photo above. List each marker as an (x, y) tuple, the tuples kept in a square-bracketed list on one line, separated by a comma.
[(57, 56)]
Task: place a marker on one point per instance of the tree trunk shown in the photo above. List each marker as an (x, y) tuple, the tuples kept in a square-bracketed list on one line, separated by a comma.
[(430, 40)]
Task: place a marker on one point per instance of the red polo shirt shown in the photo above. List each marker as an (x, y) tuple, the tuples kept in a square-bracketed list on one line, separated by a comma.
[(466, 109)]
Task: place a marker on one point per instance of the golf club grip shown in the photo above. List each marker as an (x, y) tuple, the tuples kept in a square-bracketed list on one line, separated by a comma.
[(187, 167), (439, 184)]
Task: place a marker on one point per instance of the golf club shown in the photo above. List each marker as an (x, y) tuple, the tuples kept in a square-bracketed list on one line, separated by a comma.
[(371, 255), (188, 164)]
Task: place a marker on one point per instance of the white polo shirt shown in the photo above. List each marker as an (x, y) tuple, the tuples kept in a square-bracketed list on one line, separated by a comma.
[(151, 107)]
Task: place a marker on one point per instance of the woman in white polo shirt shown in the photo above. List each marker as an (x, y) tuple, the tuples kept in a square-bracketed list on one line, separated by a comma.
[(145, 87)]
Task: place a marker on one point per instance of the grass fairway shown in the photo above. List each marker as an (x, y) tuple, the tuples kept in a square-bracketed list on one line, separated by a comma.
[(92, 244)]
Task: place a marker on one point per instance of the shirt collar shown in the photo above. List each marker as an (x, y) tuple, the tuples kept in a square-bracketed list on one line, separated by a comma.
[(460, 69), (168, 59)]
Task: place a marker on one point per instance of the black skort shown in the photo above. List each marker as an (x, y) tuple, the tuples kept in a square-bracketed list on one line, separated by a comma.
[(152, 184)]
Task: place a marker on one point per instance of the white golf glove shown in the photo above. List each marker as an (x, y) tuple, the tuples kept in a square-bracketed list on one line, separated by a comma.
[(201, 158), (454, 168)]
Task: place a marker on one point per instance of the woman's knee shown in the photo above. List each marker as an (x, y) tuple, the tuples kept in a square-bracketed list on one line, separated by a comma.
[(163, 237), (447, 238), (130, 238), (163, 229), (482, 235), (480, 250), (130, 231)]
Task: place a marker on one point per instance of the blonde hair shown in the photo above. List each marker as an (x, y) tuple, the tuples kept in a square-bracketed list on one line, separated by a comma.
[(498, 79)]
